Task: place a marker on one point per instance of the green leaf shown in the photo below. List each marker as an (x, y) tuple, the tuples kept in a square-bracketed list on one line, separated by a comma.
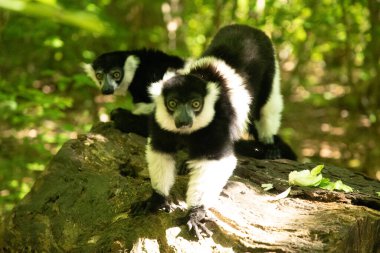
[(317, 170), (304, 178), (340, 186), (81, 19), (329, 186), (267, 187)]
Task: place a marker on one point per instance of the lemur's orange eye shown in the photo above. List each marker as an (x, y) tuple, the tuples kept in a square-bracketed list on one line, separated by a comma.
[(99, 76), (172, 104), (196, 104), (116, 75)]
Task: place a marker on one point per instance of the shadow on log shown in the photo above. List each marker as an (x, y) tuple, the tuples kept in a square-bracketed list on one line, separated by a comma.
[(82, 200)]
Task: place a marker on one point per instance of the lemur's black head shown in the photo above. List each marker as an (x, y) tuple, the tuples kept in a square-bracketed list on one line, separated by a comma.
[(113, 71), (184, 103)]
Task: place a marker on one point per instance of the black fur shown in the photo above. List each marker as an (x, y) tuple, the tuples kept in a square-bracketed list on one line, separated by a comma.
[(258, 150), (250, 53)]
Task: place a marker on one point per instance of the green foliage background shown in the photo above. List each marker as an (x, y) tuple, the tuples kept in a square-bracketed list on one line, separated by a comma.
[(328, 49)]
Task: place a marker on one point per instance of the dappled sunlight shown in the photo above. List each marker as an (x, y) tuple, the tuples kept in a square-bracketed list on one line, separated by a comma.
[(327, 128), (336, 136), (92, 138), (260, 220), (329, 151)]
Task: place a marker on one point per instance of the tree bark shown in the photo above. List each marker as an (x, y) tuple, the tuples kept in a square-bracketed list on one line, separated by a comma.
[(82, 200)]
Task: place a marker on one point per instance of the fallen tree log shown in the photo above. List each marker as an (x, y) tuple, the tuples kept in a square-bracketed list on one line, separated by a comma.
[(81, 203)]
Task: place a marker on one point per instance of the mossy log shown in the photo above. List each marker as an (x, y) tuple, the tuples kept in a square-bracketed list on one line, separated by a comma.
[(81, 203)]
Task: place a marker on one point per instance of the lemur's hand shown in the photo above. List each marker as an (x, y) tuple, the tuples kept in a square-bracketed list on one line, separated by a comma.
[(155, 203), (197, 217)]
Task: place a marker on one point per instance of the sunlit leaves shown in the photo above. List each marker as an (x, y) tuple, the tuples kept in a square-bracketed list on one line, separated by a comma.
[(50, 9), (306, 177), (314, 178)]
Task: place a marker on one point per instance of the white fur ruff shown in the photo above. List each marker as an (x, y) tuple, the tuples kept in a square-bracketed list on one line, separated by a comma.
[(166, 120), (238, 94), (270, 114), (131, 64), (161, 167), (207, 179)]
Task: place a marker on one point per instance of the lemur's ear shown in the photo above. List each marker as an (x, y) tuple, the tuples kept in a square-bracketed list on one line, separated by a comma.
[(155, 89)]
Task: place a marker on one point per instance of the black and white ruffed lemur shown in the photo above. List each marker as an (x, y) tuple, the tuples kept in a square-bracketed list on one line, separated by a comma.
[(205, 108), (120, 71)]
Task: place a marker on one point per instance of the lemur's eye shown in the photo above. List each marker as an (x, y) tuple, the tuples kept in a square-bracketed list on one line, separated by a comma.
[(196, 104), (172, 104), (116, 75), (99, 76)]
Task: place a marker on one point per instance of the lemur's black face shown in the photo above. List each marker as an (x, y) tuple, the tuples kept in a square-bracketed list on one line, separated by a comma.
[(184, 103), (109, 71), (113, 72), (109, 80), (184, 98), (184, 110)]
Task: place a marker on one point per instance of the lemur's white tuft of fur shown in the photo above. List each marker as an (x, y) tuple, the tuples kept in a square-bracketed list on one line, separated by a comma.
[(270, 114), (155, 89), (89, 70), (238, 94), (207, 179), (143, 108), (166, 121), (162, 171), (130, 66)]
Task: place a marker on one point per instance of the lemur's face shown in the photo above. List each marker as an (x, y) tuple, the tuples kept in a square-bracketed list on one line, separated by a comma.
[(113, 72), (109, 80), (185, 103), (184, 109)]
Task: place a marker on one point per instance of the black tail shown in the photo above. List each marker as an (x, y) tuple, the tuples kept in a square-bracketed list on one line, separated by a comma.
[(258, 150)]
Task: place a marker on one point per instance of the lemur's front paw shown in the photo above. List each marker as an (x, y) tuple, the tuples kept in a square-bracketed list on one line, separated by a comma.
[(155, 203), (127, 122), (197, 218), (118, 113)]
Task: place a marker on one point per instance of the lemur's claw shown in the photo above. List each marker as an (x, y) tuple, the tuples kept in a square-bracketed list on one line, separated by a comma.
[(197, 217), (155, 203)]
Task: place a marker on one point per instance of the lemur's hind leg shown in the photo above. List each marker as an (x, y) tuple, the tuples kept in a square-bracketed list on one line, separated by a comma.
[(268, 124)]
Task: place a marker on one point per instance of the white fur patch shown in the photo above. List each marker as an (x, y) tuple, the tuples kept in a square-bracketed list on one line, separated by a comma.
[(131, 64), (270, 114), (161, 167), (143, 108), (166, 120), (238, 94), (89, 70), (155, 89), (207, 179)]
